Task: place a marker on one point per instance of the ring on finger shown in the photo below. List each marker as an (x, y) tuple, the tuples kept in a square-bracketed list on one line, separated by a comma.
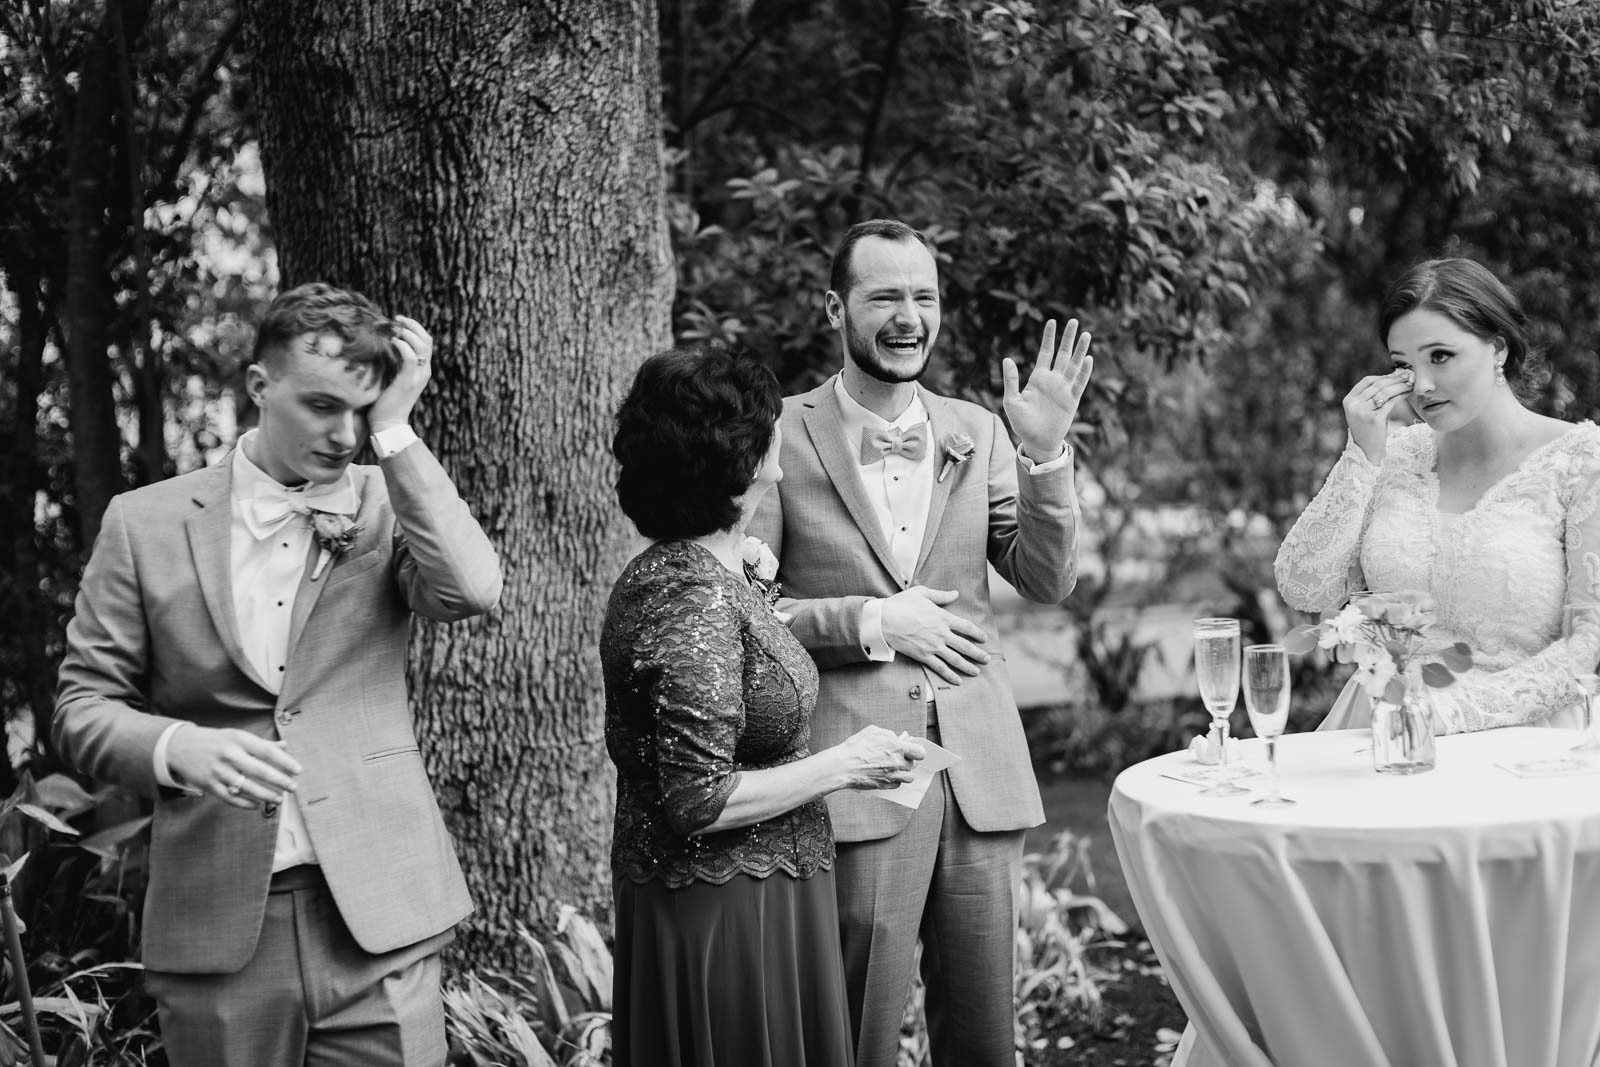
[(236, 787), (1376, 402)]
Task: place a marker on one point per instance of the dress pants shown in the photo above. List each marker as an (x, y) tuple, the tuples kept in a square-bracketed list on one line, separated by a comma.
[(955, 888), (309, 997)]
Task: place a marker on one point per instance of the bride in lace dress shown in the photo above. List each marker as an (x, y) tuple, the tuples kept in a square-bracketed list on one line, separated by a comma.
[(1489, 507)]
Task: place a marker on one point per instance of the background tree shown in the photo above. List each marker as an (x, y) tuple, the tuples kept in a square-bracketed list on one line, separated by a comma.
[(125, 178), (494, 170)]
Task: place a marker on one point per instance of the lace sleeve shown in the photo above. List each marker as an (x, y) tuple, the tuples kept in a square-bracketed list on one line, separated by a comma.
[(693, 665), (1543, 683), (1320, 560)]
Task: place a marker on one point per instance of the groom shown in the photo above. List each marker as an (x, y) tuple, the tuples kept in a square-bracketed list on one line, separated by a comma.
[(892, 503), (238, 654)]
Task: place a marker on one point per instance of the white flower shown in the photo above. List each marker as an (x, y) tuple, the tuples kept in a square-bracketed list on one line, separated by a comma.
[(758, 558), (1345, 628), (1374, 670)]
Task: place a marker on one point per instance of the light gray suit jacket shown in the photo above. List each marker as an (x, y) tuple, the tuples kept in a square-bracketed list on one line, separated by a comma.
[(155, 640), (833, 558)]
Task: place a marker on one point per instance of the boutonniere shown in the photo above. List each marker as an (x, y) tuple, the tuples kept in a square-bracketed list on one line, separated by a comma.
[(958, 448), (336, 533), (761, 571)]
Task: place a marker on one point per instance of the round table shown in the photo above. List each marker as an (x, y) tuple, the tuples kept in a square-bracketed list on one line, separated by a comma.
[(1450, 918)]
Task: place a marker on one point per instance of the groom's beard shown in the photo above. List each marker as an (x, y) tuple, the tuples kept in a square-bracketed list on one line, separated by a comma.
[(864, 353)]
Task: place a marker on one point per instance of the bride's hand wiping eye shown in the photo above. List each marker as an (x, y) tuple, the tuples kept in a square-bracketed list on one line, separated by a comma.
[(1367, 407)]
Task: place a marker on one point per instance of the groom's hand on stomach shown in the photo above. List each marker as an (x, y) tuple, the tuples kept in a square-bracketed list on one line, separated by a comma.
[(916, 624)]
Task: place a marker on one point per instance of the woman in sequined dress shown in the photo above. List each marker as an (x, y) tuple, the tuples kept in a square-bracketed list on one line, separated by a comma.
[(1488, 506), (727, 941)]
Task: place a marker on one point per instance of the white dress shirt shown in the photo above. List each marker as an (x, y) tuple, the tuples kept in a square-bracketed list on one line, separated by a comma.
[(266, 565), (900, 491)]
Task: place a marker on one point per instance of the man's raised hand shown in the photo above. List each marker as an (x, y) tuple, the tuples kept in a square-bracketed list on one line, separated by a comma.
[(394, 404), (916, 624), (1042, 413)]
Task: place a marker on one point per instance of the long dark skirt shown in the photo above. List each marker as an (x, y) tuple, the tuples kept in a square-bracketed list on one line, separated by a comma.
[(746, 974)]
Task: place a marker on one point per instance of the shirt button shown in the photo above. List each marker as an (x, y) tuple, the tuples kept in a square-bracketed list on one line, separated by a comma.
[(915, 692), (280, 603), (280, 670), (286, 544)]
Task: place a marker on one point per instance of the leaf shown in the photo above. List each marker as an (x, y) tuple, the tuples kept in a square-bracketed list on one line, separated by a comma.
[(1395, 691), (1301, 639), (593, 956), (38, 814), (1437, 676), (108, 842), (62, 795), (1458, 657), (14, 868)]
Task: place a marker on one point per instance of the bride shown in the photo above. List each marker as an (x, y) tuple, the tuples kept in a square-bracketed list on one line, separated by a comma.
[(1489, 507)]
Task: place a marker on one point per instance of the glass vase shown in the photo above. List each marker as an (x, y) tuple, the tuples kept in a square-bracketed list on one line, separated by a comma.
[(1402, 734)]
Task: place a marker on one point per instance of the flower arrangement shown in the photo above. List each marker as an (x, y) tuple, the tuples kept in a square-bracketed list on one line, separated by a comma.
[(1392, 639), (336, 533), (761, 571), (958, 448)]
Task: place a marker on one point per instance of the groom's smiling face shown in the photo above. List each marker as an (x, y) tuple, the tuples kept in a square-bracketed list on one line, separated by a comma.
[(889, 317)]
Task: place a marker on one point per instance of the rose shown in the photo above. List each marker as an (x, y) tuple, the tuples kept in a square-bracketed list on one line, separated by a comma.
[(958, 448), (758, 559), (760, 570), (336, 533)]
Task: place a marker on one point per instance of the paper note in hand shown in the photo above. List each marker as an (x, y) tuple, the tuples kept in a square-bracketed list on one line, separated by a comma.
[(910, 794)]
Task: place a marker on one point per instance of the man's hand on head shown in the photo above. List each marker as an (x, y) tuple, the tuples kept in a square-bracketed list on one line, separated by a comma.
[(394, 405), (916, 624), (1042, 413)]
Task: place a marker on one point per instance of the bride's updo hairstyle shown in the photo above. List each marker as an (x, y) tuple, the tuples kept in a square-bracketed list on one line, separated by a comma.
[(691, 435), (1469, 295)]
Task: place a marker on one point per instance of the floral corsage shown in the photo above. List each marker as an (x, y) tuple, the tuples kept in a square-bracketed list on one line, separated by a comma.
[(335, 534), (761, 571), (958, 448)]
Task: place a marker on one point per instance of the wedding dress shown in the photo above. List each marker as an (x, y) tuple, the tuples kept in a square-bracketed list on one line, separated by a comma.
[(1499, 572)]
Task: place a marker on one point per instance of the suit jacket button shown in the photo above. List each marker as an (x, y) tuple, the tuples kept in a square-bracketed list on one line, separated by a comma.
[(915, 692), (284, 715)]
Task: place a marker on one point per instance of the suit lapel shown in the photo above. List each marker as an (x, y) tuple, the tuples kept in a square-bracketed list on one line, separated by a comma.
[(209, 531), (941, 423), (824, 423), (310, 591)]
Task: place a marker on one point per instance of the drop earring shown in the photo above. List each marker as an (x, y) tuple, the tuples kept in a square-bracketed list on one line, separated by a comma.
[(1499, 374)]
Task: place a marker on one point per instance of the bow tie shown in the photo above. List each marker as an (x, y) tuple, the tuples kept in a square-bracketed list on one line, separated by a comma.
[(272, 506), (880, 444)]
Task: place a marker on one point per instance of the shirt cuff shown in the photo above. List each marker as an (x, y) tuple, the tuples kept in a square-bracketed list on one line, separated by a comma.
[(163, 772), (391, 439), (1048, 465), (873, 642)]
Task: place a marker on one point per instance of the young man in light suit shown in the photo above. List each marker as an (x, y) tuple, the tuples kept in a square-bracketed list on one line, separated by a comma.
[(893, 501), (238, 654)]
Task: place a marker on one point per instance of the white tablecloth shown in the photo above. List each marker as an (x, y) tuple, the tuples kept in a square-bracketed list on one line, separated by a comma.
[(1450, 918)]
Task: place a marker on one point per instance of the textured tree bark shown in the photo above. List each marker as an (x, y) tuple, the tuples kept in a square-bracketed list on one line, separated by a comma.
[(493, 169)]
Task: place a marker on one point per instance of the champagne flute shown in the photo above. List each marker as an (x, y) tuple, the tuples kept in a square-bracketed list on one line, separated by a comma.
[(1266, 698), (1580, 632), (1216, 669)]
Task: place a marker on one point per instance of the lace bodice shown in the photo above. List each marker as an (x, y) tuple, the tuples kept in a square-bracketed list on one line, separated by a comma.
[(1499, 572), (702, 682)]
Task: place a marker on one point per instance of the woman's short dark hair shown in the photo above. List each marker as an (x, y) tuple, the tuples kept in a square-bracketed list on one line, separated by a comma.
[(691, 435), (1469, 295)]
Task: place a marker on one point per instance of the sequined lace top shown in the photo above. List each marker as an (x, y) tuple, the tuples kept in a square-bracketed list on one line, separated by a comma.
[(703, 682), (1499, 572)]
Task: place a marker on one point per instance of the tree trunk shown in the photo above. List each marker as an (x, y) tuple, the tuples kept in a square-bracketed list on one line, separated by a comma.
[(493, 169), (90, 304)]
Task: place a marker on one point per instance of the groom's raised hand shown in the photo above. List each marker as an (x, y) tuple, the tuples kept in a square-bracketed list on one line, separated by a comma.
[(1042, 413), (394, 404)]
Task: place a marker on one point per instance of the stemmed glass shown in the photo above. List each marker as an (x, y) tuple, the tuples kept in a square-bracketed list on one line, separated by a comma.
[(1580, 632), (1266, 698), (1216, 669)]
